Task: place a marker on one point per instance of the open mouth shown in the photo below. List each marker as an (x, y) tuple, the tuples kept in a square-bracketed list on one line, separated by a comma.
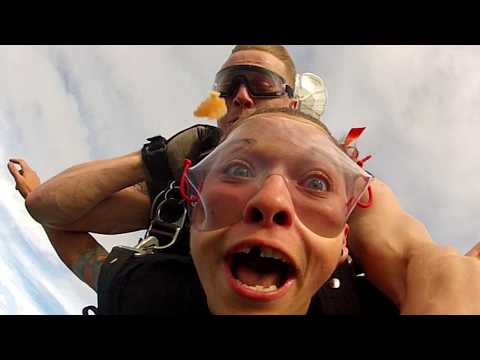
[(259, 272)]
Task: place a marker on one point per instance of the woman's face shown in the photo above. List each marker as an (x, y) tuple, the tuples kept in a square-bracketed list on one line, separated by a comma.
[(271, 224)]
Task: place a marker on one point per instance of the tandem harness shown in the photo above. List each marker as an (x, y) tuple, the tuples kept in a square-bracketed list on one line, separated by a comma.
[(150, 277), (168, 216)]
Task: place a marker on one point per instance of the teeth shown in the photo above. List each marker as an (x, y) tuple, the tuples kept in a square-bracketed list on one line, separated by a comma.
[(258, 287), (245, 251), (265, 252), (270, 253)]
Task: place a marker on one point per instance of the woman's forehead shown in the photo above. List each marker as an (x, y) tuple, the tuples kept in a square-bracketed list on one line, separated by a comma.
[(279, 125)]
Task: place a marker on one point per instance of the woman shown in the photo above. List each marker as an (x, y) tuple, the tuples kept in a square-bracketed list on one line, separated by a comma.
[(269, 221), (269, 224)]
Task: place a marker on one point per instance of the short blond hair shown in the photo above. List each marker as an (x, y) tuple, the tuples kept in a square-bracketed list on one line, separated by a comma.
[(280, 52)]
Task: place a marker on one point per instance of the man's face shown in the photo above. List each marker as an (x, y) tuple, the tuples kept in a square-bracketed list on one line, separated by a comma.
[(270, 227), (241, 103)]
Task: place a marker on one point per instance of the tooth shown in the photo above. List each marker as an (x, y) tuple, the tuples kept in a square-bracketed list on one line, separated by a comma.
[(270, 253), (266, 253), (245, 250), (277, 256), (258, 287), (280, 257)]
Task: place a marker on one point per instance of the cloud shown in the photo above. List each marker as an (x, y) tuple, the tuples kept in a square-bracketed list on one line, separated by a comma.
[(38, 111), (31, 273)]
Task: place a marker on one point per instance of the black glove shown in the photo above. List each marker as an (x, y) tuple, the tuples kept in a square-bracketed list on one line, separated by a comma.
[(164, 158)]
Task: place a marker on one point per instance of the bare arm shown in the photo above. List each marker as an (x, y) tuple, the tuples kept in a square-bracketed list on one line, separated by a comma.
[(384, 238), (126, 210), (78, 197), (440, 281), (401, 259), (80, 252)]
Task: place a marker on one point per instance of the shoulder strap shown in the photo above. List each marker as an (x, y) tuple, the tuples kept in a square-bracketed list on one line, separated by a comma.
[(115, 262)]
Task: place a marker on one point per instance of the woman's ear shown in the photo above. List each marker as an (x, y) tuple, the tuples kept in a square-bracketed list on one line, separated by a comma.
[(294, 104), (344, 253)]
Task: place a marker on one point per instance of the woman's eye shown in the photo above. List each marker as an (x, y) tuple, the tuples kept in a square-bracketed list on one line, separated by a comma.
[(238, 170), (316, 183)]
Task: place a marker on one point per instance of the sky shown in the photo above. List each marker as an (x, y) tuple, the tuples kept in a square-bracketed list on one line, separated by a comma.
[(64, 105)]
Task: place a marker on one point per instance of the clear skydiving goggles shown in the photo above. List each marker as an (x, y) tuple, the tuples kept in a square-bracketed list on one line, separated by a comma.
[(259, 81), (317, 181)]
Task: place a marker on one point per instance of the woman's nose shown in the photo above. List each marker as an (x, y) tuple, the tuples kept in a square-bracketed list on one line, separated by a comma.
[(271, 205)]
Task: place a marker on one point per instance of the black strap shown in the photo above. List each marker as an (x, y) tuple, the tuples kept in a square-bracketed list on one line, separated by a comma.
[(117, 260), (154, 157), (91, 308), (343, 300)]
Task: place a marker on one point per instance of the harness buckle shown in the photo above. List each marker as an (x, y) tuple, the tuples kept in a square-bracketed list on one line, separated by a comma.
[(168, 219)]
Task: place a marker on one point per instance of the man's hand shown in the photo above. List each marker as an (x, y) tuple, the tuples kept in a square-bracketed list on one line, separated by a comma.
[(26, 179)]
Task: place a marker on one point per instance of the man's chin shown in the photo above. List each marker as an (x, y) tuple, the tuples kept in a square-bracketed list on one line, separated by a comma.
[(226, 123)]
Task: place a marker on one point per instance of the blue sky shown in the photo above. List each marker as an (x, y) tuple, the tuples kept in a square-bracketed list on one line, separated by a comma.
[(62, 105)]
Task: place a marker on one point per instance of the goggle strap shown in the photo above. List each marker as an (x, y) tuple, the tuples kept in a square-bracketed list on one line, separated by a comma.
[(370, 199), (184, 183), (364, 160), (353, 135), (370, 193)]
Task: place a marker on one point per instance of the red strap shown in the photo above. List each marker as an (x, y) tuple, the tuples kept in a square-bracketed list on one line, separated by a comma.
[(370, 199), (353, 135), (184, 183), (364, 160)]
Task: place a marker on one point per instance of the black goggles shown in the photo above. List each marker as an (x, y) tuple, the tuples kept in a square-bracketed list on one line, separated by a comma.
[(259, 81)]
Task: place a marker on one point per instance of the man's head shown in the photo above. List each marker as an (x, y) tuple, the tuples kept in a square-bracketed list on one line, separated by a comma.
[(281, 53), (240, 101), (270, 225)]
